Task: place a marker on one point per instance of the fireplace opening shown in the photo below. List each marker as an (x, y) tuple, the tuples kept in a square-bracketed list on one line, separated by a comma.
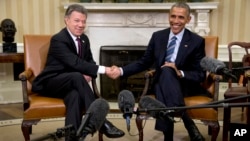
[(120, 56)]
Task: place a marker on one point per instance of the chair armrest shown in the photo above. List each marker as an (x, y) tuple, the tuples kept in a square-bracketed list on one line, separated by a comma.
[(24, 77), (216, 77), (148, 75), (95, 89), (216, 80)]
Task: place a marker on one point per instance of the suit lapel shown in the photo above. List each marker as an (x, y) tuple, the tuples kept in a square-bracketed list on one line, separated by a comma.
[(83, 47), (184, 45), (163, 47)]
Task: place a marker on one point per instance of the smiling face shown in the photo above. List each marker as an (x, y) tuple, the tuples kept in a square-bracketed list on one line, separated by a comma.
[(76, 23), (178, 18)]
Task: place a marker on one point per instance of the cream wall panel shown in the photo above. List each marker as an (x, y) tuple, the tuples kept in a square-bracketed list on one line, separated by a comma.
[(33, 16), (231, 21)]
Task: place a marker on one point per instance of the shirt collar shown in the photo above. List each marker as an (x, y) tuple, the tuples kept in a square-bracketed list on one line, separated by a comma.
[(72, 36), (178, 36)]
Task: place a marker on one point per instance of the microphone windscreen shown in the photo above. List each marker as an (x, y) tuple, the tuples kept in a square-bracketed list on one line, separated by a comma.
[(212, 64), (126, 100), (98, 110), (147, 102)]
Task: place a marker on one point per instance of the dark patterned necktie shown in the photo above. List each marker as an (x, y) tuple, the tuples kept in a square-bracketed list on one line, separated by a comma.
[(170, 49), (79, 47)]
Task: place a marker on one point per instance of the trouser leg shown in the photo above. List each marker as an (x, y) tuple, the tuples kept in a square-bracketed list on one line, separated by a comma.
[(192, 129), (76, 92)]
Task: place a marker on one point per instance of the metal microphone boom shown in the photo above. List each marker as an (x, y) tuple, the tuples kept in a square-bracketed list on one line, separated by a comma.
[(215, 104)]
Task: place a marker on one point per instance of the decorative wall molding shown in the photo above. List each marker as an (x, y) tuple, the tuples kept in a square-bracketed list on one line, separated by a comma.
[(142, 6)]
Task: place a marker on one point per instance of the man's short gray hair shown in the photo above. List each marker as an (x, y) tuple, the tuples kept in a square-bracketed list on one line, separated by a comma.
[(76, 7)]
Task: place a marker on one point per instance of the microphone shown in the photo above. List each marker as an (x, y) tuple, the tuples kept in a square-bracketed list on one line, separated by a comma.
[(155, 108), (216, 66), (94, 118), (126, 103)]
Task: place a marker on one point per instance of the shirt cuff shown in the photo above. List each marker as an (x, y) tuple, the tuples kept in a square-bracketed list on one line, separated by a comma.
[(121, 71), (101, 70), (182, 73)]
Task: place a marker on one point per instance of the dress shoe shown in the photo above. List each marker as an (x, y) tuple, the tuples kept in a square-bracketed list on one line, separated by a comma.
[(195, 134), (192, 129), (110, 130)]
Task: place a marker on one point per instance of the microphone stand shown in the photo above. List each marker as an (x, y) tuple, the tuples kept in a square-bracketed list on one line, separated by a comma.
[(61, 132), (242, 68), (215, 104)]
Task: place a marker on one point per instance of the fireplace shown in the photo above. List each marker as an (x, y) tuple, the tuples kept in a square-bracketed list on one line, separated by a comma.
[(120, 56)]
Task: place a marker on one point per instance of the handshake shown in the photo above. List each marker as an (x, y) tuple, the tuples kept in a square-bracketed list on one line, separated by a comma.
[(113, 72)]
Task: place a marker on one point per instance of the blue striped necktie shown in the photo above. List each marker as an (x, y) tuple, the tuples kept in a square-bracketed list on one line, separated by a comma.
[(170, 49)]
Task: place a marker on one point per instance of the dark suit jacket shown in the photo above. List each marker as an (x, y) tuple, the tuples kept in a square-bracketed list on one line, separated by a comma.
[(191, 51), (63, 57)]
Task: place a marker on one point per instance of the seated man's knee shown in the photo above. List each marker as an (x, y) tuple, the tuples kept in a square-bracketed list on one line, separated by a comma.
[(76, 75), (168, 70)]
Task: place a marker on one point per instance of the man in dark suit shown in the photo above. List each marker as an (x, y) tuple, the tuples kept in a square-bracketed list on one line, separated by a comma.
[(178, 73), (69, 68)]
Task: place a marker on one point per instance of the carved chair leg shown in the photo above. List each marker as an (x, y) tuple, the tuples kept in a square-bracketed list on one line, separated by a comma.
[(226, 122), (215, 129), (26, 132), (139, 127), (100, 135), (27, 128)]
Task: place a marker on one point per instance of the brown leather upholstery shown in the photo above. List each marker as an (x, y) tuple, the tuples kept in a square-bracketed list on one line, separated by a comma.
[(37, 107), (208, 115), (234, 91)]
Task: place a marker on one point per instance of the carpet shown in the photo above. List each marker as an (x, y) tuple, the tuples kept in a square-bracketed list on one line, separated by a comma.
[(11, 131)]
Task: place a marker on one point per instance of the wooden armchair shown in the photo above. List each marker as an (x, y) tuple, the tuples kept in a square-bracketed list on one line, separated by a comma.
[(240, 90), (35, 106), (207, 115)]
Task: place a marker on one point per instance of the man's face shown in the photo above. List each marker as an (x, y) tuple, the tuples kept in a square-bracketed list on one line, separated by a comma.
[(8, 28), (178, 18), (76, 23)]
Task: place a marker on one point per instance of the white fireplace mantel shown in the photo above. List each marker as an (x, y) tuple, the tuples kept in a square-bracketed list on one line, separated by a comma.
[(143, 6), (146, 15)]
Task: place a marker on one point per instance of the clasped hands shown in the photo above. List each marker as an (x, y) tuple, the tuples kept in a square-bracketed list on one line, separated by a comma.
[(172, 65), (113, 72)]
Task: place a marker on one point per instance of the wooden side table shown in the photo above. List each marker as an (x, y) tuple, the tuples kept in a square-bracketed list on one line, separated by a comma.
[(17, 59), (11, 57)]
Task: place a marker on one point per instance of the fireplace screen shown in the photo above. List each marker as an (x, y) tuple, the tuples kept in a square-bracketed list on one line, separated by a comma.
[(120, 56)]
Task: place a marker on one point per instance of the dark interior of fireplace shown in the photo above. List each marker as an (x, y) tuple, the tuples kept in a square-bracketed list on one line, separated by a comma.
[(121, 55)]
